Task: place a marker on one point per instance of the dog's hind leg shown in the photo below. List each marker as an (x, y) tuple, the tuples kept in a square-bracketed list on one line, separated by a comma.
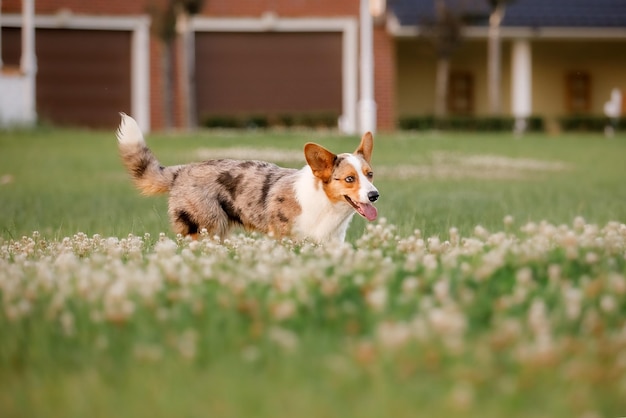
[(187, 223)]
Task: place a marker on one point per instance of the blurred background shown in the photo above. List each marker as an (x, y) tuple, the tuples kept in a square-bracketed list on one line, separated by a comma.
[(521, 65)]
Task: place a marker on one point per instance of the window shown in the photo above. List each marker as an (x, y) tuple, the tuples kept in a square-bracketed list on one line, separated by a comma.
[(578, 92), (461, 93)]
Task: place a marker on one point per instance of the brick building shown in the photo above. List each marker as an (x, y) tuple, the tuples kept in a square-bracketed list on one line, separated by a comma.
[(299, 58), (277, 57)]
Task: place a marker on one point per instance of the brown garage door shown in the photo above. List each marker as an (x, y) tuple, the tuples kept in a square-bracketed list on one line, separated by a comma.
[(83, 76), (268, 73)]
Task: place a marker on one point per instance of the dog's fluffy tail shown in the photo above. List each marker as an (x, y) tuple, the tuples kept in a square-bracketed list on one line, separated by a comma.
[(149, 176)]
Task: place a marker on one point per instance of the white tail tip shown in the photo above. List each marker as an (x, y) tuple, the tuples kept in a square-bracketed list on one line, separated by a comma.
[(129, 131)]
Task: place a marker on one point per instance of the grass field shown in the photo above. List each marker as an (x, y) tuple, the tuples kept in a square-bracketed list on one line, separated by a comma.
[(494, 286)]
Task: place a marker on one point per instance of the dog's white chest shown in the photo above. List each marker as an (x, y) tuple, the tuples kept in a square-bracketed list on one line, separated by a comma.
[(320, 220)]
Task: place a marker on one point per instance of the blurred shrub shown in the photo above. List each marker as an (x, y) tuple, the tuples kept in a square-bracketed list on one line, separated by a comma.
[(287, 120), (467, 123), (590, 123)]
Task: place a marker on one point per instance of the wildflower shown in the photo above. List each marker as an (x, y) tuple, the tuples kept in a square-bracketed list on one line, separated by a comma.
[(409, 285), (447, 321), (481, 232), (393, 335), (591, 257), (377, 298), (283, 310), (524, 276), (579, 223), (149, 353), (573, 301), (554, 273), (187, 344), (454, 236), (251, 354), (608, 304), (283, 338), (441, 290), (67, 323), (434, 245), (430, 262), (462, 396)]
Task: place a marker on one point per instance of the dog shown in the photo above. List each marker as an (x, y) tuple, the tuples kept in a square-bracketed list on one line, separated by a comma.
[(314, 203)]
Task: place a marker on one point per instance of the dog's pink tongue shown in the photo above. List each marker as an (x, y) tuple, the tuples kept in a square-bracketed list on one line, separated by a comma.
[(369, 211)]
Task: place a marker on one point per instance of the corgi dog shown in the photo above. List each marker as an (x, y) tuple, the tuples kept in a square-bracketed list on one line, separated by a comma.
[(314, 203)]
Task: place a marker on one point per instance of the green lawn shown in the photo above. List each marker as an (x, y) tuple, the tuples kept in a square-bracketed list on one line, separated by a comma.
[(519, 312), (63, 182)]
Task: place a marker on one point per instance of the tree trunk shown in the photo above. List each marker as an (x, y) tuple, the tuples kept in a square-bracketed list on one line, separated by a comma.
[(441, 86), (494, 56)]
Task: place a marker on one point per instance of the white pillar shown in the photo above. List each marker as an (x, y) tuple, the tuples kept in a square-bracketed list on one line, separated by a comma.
[(0, 35), (521, 82), (367, 105), (140, 74), (28, 60)]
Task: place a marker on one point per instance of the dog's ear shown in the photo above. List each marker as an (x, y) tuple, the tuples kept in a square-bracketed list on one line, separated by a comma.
[(320, 160), (366, 147)]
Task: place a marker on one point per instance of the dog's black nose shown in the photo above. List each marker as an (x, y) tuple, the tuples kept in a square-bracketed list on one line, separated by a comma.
[(373, 196)]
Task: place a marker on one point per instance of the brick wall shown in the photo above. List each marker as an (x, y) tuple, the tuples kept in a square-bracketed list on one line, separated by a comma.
[(385, 79)]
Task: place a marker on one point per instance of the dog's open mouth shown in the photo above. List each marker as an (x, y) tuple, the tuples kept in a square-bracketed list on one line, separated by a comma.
[(366, 210)]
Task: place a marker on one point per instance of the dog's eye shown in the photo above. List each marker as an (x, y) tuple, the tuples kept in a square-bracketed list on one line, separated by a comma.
[(370, 175), (350, 179)]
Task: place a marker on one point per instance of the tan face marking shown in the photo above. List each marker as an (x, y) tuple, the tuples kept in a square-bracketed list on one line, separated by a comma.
[(351, 177)]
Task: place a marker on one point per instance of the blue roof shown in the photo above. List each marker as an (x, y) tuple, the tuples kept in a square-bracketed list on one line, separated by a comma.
[(524, 13)]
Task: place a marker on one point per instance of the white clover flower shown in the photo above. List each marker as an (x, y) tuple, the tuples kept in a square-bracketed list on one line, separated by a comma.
[(524, 276), (608, 304), (393, 335), (165, 247), (410, 285), (441, 290), (67, 323), (573, 299), (538, 318), (481, 232), (187, 344), (454, 236), (250, 354), (447, 321), (149, 353), (508, 220), (579, 223), (284, 309), (283, 338), (430, 262), (462, 396), (554, 273), (434, 245), (592, 257), (377, 298)]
